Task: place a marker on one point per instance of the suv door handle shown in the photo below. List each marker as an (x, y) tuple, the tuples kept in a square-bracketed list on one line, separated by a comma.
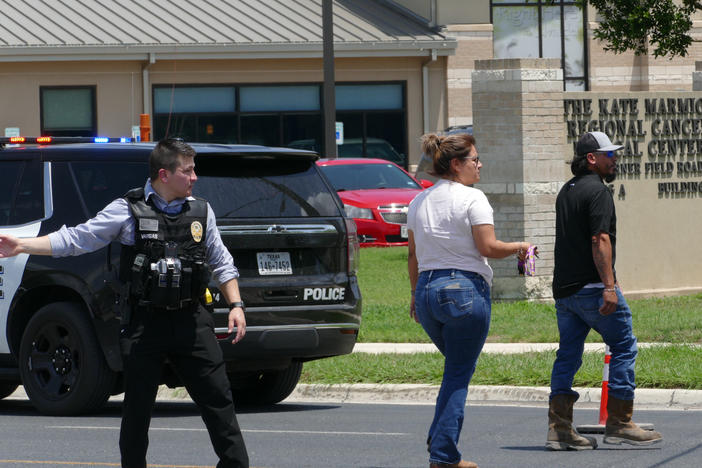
[(280, 294)]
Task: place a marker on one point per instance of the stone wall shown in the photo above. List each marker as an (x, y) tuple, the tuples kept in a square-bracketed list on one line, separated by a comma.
[(526, 128), (658, 190)]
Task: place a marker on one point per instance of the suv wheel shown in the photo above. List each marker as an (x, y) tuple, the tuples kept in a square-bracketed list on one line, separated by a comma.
[(61, 364), (6, 389), (265, 388)]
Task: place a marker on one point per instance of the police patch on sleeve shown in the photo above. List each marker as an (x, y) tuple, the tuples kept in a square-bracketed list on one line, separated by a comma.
[(196, 231)]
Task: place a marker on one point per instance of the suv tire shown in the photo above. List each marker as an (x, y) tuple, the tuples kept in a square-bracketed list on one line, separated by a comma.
[(7, 389), (61, 363), (265, 388)]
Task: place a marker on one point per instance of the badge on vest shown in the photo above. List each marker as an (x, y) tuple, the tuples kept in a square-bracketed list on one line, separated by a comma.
[(196, 231), (146, 224)]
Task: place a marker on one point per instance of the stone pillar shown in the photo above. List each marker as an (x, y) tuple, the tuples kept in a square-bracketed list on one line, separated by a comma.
[(519, 127), (697, 77)]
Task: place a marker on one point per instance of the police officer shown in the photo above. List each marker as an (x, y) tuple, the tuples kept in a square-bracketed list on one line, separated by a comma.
[(168, 240)]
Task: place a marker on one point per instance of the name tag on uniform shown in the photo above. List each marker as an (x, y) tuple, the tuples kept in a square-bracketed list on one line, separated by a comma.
[(146, 224)]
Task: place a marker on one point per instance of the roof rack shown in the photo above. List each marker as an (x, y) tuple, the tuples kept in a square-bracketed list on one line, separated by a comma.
[(49, 140)]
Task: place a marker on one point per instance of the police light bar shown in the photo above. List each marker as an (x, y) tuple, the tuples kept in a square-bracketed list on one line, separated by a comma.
[(49, 140)]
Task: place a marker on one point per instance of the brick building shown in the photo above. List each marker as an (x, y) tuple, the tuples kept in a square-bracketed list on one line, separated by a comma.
[(250, 72)]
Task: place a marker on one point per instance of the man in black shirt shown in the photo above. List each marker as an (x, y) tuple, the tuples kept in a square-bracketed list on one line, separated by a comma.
[(587, 297)]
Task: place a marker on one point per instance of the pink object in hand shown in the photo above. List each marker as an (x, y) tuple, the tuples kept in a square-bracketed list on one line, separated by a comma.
[(528, 266)]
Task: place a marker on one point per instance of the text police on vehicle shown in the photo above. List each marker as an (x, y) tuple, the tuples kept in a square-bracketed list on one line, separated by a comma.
[(277, 214)]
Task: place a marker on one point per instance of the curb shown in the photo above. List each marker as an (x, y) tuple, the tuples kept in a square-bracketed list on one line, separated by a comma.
[(485, 394), (422, 394)]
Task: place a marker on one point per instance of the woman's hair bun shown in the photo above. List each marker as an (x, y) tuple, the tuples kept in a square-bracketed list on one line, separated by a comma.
[(443, 148)]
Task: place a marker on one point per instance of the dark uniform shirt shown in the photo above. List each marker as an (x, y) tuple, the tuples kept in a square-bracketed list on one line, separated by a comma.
[(584, 208)]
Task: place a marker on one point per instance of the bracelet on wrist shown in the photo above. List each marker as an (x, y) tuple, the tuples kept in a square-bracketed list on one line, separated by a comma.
[(610, 289)]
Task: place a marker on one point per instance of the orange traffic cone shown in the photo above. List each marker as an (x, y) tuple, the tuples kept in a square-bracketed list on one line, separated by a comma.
[(600, 428)]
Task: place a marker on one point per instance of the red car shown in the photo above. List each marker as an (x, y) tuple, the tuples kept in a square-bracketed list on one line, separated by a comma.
[(376, 194)]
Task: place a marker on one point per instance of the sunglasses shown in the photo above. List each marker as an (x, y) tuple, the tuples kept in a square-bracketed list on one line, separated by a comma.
[(609, 154)]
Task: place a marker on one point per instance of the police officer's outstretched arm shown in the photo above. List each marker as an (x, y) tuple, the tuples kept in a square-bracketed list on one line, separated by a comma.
[(230, 289), (109, 224), (11, 246)]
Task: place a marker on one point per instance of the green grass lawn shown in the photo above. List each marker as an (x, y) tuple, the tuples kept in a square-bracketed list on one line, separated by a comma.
[(677, 366), (385, 288)]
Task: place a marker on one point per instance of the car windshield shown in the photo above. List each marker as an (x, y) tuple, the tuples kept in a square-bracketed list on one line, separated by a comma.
[(368, 176)]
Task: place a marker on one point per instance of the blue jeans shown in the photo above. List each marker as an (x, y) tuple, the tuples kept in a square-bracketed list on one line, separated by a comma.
[(579, 313), (453, 306)]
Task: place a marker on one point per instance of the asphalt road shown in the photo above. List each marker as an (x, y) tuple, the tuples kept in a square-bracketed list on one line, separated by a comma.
[(333, 435)]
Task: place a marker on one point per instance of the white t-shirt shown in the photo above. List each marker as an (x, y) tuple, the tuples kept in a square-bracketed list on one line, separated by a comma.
[(441, 218)]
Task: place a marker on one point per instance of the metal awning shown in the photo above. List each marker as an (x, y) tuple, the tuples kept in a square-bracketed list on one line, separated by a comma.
[(34, 30)]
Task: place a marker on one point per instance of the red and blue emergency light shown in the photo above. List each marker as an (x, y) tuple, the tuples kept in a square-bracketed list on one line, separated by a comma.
[(47, 140)]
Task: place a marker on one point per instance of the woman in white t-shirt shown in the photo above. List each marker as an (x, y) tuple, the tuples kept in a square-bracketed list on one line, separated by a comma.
[(451, 235)]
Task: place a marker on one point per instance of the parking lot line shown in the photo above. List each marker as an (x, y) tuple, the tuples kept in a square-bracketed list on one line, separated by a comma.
[(270, 431), (73, 463)]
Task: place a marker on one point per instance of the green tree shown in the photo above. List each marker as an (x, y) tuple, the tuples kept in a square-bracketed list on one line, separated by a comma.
[(662, 26)]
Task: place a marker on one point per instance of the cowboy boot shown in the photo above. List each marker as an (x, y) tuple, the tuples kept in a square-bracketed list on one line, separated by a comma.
[(620, 429), (561, 434), (460, 464)]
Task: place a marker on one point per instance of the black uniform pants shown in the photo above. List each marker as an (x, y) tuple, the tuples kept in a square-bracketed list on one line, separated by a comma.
[(186, 337)]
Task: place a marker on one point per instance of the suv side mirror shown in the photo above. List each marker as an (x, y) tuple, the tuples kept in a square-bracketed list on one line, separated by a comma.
[(425, 183)]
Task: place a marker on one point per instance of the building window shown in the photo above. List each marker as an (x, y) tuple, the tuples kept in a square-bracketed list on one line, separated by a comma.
[(196, 113), (281, 115), (290, 115), (276, 115), (545, 29), (68, 110), (374, 121)]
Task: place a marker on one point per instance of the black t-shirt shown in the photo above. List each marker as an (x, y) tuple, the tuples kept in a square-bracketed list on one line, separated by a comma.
[(584, 208)]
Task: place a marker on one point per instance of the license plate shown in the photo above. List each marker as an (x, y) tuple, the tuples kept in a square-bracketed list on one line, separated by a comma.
[(403, 231), (274, 263)]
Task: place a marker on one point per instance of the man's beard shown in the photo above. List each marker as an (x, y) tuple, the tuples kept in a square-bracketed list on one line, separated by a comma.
[(610, 177)]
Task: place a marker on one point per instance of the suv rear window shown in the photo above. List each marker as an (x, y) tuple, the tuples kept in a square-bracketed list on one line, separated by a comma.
[(241, 187)]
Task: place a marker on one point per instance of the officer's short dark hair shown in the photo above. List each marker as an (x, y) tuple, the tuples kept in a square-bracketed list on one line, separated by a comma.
[(165, 155)]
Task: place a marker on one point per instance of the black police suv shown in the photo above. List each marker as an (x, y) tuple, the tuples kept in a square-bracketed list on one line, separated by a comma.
[(282, 221)]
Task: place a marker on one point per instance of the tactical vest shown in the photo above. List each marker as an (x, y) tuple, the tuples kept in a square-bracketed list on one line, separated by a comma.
[(166, 266)]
